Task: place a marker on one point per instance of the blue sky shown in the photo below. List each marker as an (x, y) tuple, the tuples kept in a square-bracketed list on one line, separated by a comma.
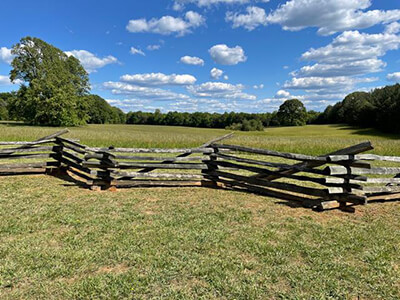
[(216, 55)]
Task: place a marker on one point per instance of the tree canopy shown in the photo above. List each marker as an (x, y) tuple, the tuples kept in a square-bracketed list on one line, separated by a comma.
[(52, 84), (99, 111), (292, 113), (379, 108)]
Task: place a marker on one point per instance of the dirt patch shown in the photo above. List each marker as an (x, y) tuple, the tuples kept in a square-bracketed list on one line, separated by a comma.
[(117, 269)]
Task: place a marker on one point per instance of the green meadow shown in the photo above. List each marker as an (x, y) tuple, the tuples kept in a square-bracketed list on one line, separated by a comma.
[(311, 139), (60, 241)]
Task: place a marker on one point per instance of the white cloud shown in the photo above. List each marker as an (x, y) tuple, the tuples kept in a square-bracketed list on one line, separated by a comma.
[(194, 19), (153, 47), (135, 51), (142, 92), (330, 16), (5, 55), (4, 80), (178, 6), (226, 77), (216, 73), (222, 54), (158, 79), (393, 77), (360, 67), (220, 90), (350, 53), (192, 60), (167, 25), (132, 104), (392, 28), (258, 87), (323, 84), (90, 61), (254, 17), (282, 94), (343, 64), (267, 104)]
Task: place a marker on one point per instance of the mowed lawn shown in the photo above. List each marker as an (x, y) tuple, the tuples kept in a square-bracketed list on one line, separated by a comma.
[(60, 241)]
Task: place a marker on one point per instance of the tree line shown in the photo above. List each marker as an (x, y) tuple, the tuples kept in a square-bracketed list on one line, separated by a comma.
[(379, 109), (291, 113)]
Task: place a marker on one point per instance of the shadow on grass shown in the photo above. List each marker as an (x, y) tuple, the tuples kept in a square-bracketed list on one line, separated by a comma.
[(66, 177), (365, 131)]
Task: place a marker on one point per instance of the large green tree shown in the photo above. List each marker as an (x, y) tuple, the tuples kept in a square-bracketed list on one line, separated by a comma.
[(387, 103), (292, 113), (52, 84)]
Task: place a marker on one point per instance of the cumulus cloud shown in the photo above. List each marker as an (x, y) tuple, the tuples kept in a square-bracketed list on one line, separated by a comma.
[(222, 54), (254, 17), (392, 28), (142, 92), (330, 16), (158, 79), (393, 77), (353, 46), (5, 55), (167, 25), (132, 104), (361, 67), (90, 61), (220, 90), (192, 60), (282, 94), (135, 51), (344, 63), (216, 73), (258, 87), (324, 84)]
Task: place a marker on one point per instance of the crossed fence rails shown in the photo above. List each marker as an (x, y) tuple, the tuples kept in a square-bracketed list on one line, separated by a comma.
[(341, 179)]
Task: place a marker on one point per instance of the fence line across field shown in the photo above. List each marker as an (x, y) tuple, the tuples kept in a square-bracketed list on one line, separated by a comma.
[(341, 179)]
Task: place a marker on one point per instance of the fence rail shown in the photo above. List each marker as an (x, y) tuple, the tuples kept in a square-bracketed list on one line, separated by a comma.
[(340, 179)]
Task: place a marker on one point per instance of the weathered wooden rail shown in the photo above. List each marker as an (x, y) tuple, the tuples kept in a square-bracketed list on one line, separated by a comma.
[(340, 179)]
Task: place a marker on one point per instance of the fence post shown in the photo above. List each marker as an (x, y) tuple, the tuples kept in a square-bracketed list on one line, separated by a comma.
[(210, 168)]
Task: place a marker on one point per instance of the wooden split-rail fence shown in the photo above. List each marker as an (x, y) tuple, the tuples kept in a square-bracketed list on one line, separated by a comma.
[(341, 179)]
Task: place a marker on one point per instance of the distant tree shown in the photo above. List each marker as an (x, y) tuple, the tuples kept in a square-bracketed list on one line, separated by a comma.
[(312, 116), (52, 84), (247, 125), (274, 119), (252, 125), (97, 109), (118, 116), (323, 118), (357, 109), (292, 113)]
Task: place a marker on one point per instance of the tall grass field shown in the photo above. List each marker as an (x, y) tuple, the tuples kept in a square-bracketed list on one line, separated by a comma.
[(60, 241)]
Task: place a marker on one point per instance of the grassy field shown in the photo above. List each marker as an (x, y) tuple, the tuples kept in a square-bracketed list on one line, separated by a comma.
[(59, 241), (312, 139)]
